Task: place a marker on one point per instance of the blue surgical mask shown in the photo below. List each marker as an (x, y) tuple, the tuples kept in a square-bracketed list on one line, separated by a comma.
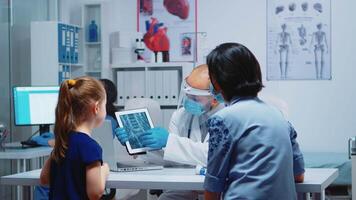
[(217, 95), (193, 107)]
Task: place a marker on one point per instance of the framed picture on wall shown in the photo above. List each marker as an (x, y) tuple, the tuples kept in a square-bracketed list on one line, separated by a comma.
[(299, 40), (169, 26)]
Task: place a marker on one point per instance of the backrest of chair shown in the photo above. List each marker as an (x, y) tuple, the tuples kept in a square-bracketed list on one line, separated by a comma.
[(153, 108)]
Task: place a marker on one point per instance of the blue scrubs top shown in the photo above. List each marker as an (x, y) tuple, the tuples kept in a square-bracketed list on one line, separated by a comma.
[(68, 178), (253, 153)]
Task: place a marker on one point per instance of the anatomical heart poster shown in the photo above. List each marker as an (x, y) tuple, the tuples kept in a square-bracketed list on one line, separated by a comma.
[(298, 39), (169, 27)]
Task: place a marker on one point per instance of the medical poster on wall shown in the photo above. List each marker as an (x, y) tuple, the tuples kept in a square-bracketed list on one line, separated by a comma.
[(299, 40), (169, 27)]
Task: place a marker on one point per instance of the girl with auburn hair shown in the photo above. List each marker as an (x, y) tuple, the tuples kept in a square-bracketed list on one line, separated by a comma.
[(75, 169)]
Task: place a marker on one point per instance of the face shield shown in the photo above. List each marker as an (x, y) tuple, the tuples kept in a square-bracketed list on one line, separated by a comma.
[(194, 101)]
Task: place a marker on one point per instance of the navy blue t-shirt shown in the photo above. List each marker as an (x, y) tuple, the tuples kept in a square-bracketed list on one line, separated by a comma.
[(68, 178)]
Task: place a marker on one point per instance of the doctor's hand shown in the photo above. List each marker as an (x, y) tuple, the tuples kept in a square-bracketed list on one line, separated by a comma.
[(121, 135), (154, 138), (43, 138)]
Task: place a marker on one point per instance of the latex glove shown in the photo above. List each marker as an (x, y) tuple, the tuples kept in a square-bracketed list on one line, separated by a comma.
[(43, 139), (121, 135), (154, 138)]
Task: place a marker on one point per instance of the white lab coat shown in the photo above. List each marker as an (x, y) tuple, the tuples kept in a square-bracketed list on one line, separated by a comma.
[(184, 150), (181, 149)]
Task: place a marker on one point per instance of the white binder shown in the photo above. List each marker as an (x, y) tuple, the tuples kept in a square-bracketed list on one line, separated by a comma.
[(159, 86), (174, 87), (120, 88)]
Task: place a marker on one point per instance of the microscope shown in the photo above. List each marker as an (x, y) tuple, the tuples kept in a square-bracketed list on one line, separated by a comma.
[(139, 49)]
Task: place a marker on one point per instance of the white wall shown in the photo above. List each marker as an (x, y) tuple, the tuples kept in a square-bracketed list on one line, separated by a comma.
[(322, 111)]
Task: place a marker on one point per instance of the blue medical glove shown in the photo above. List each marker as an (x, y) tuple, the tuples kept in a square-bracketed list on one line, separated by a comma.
[(154, 138), (43, 139), (121, 135)]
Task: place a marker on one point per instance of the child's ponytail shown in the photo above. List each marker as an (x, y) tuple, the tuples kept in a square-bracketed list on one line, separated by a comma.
[(64, 120)]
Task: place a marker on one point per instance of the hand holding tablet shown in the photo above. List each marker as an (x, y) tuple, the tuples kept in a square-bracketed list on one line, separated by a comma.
[(135, 123), (154, 138)]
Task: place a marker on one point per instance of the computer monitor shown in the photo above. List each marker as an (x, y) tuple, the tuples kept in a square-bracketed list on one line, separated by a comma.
[(35, 106)]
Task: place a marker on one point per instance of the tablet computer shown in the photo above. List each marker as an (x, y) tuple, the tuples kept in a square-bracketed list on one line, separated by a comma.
[(135, 122)]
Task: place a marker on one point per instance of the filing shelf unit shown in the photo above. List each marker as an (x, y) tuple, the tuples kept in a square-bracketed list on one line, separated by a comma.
[(158, 81), (93, 51), (47, 59)]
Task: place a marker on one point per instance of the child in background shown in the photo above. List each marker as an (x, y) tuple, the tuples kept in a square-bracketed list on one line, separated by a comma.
[(75, 169), (111, 96)]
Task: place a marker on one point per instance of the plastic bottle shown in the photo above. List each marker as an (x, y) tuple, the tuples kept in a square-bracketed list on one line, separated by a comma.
[(200, 170), (93, 32)]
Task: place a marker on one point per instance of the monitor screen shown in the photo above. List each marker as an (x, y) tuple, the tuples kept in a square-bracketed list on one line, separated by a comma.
[(35, 105)]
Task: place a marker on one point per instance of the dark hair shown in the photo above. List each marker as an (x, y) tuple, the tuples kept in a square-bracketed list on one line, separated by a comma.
[(235, 69), (111, 96), (73, 108)]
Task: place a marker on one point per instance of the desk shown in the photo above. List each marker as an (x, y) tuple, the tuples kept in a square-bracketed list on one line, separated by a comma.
[(14, 151), (316, 180)]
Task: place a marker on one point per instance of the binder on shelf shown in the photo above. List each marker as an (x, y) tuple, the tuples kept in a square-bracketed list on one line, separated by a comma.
[(137, 84), (120, 88), (67, 72), (60, 74), (174, 87), (62, 31), (128, 86), (166, 87), (76, 45), (71, 42), (159, 86), (67, 44), (150, 84)]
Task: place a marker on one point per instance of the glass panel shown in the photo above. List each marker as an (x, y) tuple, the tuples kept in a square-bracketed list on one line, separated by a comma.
[(4, 62), (23, 13), (5, 166)]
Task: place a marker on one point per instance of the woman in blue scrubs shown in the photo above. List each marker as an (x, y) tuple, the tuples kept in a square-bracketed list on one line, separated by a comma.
[(253, 153)]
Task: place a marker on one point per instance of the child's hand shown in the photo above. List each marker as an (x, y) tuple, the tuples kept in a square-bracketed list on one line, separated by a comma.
[(105, 168)]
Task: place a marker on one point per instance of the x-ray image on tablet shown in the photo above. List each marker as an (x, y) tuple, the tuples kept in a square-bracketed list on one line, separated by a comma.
[(135, 122)]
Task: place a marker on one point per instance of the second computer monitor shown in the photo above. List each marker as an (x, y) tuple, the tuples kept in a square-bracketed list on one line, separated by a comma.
[(35, 106)]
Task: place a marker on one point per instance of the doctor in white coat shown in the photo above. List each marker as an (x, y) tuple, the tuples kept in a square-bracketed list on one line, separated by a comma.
[(186, 141)]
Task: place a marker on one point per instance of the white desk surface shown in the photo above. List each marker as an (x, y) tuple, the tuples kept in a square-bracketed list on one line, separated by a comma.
[(15, 151), (316, 180)]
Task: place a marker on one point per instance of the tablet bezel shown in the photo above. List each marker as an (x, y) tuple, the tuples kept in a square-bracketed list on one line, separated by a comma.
[(129, 149)]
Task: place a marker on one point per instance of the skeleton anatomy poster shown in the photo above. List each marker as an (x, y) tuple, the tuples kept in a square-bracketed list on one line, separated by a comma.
[(169, 26), (299, 40)]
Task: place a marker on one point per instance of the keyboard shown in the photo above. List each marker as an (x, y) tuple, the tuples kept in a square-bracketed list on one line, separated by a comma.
[(29, 143)]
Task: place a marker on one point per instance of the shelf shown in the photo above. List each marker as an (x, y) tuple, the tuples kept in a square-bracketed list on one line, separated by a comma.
[(73, 64), (93, 72), (144, 64), (93, 43), (77, 64)]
